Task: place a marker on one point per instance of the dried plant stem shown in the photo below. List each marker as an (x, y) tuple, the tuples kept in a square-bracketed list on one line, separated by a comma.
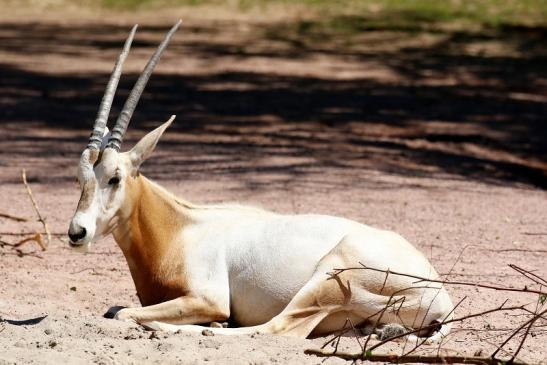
[(432, 326), (515, 250), (40, 217), (36, 238), (448, 282), (56, 234), (529, 275), (426, 359), (13, 217), (528, 325), (524, 329)]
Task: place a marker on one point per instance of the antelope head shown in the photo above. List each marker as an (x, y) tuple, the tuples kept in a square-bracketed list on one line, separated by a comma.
[(103, 170)]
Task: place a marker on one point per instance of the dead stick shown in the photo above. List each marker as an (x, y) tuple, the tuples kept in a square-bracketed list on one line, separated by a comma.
[(524, 337), (28, 239), (513, 250), (35, 205), (530, 321), (447, 282), (529, 274), (12, 217), (432, 326), (56, 234), (36, 238), (434, 359)]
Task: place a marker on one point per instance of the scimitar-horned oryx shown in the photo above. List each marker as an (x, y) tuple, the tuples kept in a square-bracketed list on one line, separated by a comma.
[(265, 272)]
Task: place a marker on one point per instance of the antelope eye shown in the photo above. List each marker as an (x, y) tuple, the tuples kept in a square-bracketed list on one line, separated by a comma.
[(114, 181)]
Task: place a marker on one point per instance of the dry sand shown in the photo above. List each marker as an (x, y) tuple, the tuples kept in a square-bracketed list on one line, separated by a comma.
[(389, 131)]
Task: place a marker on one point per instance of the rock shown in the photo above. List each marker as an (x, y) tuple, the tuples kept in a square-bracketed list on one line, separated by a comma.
[(207, 332)]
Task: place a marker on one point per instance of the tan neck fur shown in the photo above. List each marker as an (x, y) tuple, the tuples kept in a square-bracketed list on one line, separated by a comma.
[(148, 232)]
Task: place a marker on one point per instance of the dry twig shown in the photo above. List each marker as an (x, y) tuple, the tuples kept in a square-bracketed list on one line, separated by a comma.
[(447, 282), (40, 217), (524, 329), (55, 234), (13, 217), (426, 359)]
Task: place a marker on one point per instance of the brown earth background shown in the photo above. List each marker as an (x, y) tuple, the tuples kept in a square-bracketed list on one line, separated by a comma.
[(436, 131)]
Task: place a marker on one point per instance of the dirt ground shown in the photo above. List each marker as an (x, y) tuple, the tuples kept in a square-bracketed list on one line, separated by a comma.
[(436, 134)]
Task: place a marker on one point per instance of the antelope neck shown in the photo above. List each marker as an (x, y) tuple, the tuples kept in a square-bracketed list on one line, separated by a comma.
[(149, 234)]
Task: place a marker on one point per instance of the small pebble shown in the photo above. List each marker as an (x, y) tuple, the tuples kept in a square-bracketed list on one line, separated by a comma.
[(207, 332)]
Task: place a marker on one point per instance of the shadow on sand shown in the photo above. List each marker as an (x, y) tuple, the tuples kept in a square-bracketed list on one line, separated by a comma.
[(485, 121)]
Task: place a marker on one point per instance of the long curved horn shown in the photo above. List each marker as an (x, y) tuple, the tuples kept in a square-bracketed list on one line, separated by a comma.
[(104, 110), (119, 129)]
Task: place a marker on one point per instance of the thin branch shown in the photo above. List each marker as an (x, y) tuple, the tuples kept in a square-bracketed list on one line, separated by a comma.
[(435, 325), (20, 253), (55, 234), (13, 217), (519, 334), (529, 275), (427, 359), (35, 205), (464, 283), (515, 250), (420, 343), (381, 312), (524, 337), (355, 333), (37, 237), (530, 321)]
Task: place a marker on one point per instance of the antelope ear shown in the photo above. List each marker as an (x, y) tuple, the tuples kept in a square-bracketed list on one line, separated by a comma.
[(144, 148), (106, 137)]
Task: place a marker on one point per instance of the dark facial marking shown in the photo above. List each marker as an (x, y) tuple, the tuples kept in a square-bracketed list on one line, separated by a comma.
[(88, 191)]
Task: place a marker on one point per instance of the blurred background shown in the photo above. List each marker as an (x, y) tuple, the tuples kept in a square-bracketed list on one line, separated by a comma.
[(270, 92)]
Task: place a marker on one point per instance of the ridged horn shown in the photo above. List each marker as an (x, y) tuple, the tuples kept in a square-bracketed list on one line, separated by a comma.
[(122, 122), (106, 103)]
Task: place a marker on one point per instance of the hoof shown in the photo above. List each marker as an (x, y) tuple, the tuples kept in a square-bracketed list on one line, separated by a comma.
[(112, 311)]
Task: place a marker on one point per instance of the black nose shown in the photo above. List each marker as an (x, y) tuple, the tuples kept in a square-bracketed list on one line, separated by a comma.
[(75, 237)]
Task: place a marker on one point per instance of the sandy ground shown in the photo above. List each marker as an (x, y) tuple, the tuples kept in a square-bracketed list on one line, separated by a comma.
[(436, 135)]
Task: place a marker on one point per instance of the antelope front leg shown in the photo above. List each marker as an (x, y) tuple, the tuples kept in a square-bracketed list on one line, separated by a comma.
[(183, 310)]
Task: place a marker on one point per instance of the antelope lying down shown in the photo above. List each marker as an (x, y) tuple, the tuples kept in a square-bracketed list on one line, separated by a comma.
[(266, 272)]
